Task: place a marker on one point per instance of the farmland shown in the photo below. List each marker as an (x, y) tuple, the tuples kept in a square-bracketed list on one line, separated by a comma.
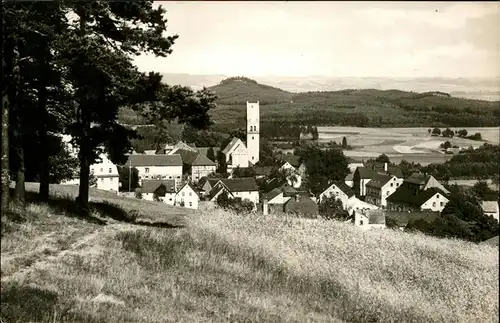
[(411, 144)]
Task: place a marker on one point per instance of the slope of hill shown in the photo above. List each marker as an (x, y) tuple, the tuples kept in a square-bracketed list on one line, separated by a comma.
[(226, 267), (351, 107), (239, 90)]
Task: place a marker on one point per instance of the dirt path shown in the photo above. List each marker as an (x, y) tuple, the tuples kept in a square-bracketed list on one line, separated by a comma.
[(81, 246)]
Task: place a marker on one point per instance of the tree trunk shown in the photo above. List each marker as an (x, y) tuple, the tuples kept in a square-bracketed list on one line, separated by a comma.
[(44, 157), (20, 178), (83, 190), (5, 153)]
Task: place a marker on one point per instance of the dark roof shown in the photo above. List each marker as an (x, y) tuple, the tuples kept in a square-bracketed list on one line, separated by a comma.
[(402, 218), (349, 177), (287, 191), (154, 160), (204, 150), (417, 178), (263, 170), (187, 156), (375, 216), (150, 186), (366, 172), (341, 185), (215, 190), (202, 160), (406, 195), (304, 206), (291, 159), (284, 146), (379, 180), (240, 184)]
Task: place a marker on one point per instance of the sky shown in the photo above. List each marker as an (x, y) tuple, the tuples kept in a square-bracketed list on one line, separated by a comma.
[(331, 39)]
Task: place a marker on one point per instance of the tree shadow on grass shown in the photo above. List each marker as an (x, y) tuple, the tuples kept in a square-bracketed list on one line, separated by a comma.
[(67, 206), (27, 303)]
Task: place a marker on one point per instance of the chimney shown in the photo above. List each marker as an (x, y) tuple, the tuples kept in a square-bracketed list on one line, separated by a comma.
[(385, 167), (265, 207)]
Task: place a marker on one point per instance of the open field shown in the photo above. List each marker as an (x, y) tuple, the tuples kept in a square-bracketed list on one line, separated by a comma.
[(225, 267), (411, 144)]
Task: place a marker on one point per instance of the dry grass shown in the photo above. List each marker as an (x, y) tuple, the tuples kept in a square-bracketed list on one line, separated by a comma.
[(229, 268)]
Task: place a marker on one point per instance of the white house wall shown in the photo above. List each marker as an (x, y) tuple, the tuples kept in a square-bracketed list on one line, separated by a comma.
[(333, 190), (198, 172), (389, 188), (435, 203), (188, 196), (166, 172), (249, 195)]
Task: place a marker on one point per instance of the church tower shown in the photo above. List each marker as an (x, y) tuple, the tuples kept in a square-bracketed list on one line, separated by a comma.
[(253, 132)]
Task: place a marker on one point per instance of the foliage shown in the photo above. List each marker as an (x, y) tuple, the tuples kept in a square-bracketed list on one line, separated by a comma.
[(235, 204), (344, 143), (138, 193), (243, 172), (461, 218), (447, 133), (436, 132), (445, 145), (211, 154), (126, 173), (332, 208), (483, 192), (322, 165)]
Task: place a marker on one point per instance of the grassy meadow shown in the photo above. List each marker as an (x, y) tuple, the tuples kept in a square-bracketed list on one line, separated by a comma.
[(224, 267)]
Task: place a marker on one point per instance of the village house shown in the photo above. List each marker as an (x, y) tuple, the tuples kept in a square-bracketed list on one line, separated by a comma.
[(187, 197), (164, 190), (244, 188), (301, 204), (105, 171), (338, 190), (169, 193), (236, 154), (363, 175), (297, 169), (380, 188), (424, 182), (157, 166), (369, 219), (355, 204), (106, 174), (490, 208), (195, 165), (170, 149), (410, 197)]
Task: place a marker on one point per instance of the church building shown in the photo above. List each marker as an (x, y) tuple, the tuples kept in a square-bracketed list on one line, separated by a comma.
[(239, 154)]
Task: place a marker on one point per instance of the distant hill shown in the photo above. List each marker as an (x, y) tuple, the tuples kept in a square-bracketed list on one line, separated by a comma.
[(477, 88), (239, 90)]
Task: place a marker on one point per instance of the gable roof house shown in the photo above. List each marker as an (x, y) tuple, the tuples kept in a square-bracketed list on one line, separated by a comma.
[(380, 188), (302, 205), (157, 166), (409, 197), (196, 165), (369, 219), (187, 197), (339, 190), (363, 175), (424, 182), (164, 189), (490, 208), (236, 154), (244, 188)]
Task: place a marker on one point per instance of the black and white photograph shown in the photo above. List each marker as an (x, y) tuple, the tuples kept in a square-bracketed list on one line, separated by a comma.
[(250, 161)]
